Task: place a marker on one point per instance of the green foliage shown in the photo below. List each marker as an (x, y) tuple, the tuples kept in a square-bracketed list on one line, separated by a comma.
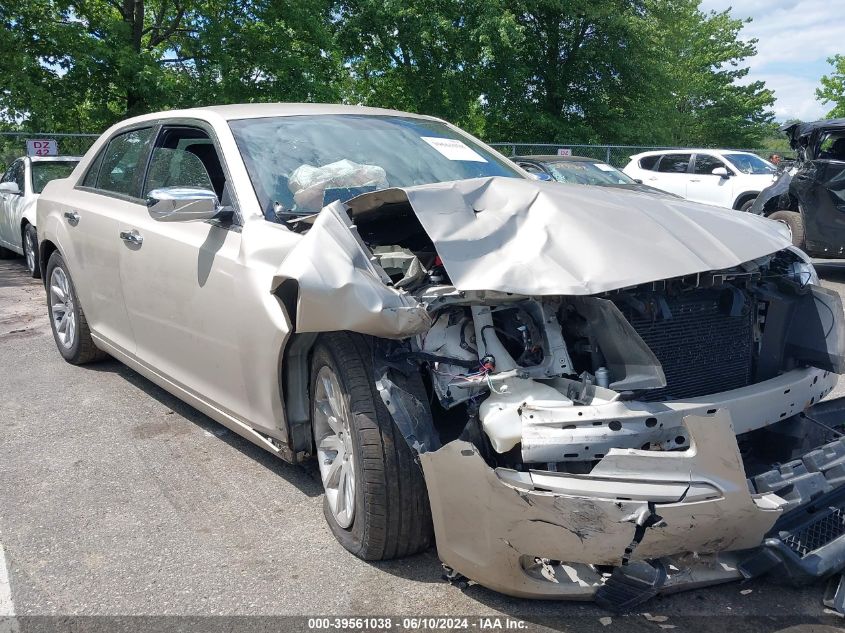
[(693, 92), (833, 87), (625, 71)]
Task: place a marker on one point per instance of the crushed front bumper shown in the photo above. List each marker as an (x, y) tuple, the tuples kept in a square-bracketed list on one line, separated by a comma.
[(693, 513)]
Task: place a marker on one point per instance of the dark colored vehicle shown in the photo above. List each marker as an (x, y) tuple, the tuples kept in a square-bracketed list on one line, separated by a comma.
[(580, 170), (809, 194)]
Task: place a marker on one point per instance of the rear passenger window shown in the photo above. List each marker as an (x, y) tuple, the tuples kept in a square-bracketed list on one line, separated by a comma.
[(122, 169), (648, 162), (674, 163), (90, 179)]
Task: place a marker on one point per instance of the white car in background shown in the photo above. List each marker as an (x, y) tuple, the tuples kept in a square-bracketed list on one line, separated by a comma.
[(724, 178), (20, 187)]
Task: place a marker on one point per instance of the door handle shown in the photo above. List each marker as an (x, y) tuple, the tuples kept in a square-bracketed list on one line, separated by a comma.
[(695, 179), (72, 217), (132, 237), (653, 178)]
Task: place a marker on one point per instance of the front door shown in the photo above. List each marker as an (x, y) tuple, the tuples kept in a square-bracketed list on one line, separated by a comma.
[(179, 278), (11, 206), (704, 186)]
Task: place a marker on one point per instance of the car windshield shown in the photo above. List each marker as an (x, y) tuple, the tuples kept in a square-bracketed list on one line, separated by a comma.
[(298, 164), (750, 164), (588, 173), (45, 171)]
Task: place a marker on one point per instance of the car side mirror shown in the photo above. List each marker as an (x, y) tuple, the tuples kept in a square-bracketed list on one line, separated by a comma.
[(10, 187), (639, 181), (721, 172), (184, 204)]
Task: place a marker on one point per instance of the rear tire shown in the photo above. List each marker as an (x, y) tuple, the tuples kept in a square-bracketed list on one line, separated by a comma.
[(67, 320), (30, 251), (386, 514), (795, 223)]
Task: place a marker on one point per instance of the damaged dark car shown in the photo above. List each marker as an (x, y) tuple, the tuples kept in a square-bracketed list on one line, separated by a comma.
[(809, 194)]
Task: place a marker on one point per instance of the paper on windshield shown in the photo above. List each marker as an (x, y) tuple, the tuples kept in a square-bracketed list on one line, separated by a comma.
[(453, 149)]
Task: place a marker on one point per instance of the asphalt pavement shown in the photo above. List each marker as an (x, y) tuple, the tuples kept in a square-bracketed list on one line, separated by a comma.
[(116, 499)]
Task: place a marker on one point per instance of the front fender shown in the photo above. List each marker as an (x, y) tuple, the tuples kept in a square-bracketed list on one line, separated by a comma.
[(337, 286)]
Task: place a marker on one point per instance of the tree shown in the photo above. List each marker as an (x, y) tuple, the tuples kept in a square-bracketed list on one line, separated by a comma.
[(414, 55), (258, 50), (561, 69), (697, 92), (833, 87), (90, 62)]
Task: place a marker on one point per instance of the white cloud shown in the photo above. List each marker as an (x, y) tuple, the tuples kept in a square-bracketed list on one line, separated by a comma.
[(795, 37), (795, 96)]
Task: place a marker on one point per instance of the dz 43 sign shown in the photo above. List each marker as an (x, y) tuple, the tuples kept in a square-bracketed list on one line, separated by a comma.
[(42, 147)]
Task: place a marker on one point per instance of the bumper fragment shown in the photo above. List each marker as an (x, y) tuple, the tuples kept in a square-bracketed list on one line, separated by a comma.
[(493, 528), (557, 535)]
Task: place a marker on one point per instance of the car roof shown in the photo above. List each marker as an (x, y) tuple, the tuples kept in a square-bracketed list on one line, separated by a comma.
[(53, 159), (554, 158), (690, 150), (265, 110)]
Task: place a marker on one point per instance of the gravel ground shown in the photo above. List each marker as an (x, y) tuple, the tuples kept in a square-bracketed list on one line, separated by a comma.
[(118, 500)]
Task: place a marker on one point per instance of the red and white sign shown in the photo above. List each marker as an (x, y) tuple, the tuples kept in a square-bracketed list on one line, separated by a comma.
[(42, 147), (564, 151)]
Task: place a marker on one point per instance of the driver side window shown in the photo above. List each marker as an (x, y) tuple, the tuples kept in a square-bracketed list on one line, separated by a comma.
[(186, 157), (176, 168), (705, 164)]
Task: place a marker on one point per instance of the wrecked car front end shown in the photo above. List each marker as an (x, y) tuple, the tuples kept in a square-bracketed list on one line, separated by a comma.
[(615, 380), (812, 188)]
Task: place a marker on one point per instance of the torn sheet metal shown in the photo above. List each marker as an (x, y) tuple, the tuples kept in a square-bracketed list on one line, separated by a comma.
[(628, 358), (340, 288), (547, 238), (554, 434), (487, 524), (411, 415), (819, 188)]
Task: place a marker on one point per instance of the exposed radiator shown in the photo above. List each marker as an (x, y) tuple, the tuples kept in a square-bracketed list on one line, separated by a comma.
[(702, 348)]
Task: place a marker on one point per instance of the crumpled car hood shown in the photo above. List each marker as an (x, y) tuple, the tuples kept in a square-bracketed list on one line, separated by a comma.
[(546, 238)]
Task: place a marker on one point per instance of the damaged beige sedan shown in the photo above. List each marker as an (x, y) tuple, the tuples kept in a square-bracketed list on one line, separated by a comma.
[(577, 393)]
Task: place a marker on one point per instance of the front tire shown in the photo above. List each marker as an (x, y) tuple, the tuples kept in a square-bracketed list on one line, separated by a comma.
[(746, 206), (30, 251), (376, 501), (67, 320), (795, 223)]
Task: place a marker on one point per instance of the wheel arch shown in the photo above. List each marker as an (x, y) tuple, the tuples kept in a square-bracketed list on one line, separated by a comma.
[(45, 249), (294, 372), (744, 197)]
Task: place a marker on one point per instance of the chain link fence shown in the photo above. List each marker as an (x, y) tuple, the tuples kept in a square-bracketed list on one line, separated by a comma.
[(616, 155), (13, 144)]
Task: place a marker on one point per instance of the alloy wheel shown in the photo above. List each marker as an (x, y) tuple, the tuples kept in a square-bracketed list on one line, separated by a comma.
[(334, 446), (29, 250), (61, 307)]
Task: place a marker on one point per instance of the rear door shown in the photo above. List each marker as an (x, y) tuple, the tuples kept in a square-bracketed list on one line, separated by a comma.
[(179, 277), (672, 174), (92, 215), (706, 187)]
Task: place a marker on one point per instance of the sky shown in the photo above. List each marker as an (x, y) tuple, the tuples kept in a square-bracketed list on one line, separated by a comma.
[(795, 39)]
